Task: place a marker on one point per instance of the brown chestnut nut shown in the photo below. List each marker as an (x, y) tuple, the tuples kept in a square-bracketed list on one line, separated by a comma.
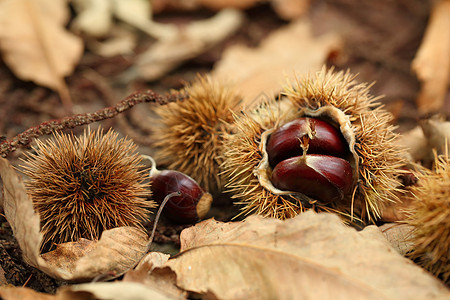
[(321, 177), (323, 138), (186, 208), (191, 205)]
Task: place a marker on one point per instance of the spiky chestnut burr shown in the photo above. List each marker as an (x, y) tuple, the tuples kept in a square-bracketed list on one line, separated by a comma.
[(337, 99), (84, 185), (191, 203), (429, 214), (189, 135)]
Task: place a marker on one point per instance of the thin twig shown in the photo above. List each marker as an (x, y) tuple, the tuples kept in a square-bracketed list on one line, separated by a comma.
[(158, 214), (25, 138)]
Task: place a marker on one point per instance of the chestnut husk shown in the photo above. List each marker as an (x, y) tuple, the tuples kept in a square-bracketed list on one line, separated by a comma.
[(188, 134), (336, 98)]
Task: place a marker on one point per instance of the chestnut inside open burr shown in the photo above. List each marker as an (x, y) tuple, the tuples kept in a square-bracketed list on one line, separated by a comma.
[(308, 156)]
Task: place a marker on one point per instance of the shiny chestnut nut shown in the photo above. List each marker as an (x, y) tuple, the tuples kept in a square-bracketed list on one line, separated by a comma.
[(321, 177), (285, 142), (192, 203)]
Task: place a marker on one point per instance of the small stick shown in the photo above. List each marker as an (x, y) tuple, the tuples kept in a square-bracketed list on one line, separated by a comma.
[(25, 138)]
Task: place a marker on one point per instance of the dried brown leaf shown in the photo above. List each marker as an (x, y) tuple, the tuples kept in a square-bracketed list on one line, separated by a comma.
[(195, 38), (117, 251), (222, 4), (3, 280), (22, 293), (432, 61), (415, 143), (432, 134), (312, 255), (95, 17), (437, 133), (399, 236), (291, 9), (163, 279), (121, 41), (35, 44), (288, 52), (112, 291)]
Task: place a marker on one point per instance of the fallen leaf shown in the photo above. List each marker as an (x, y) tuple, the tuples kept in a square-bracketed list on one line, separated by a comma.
[(119, 42), (112, 291), (432, 61), (415, 143), (95, 18), (399, 236), (289, 52), (3, 280), (117, 251), (437, 133), (290, 9), (152, 260), (222, 4), (35, 44), (163, 279), (312, 255), (194, 39), (22, 293), (432, 134), (138, 13)]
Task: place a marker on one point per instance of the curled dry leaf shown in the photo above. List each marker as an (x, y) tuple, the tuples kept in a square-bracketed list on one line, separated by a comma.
[(416, 144), (152, 260), (432, 134), (163, 279), (286, 9), (117, 251), (437, 133), (264, 70), (290, 9), (194, 39), (95, 17), (3, 280), (22, 293), (399, 236), (432, 61), (96, 20), (313, 255), (121, 41), (35, 44), (118, 290)]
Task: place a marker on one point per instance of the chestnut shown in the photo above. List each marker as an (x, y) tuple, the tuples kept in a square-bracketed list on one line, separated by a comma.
[(322, 177), (190, 205), (324, 138)]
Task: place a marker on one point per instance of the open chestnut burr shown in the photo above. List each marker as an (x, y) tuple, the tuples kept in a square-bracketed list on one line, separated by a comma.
[(326, 145)]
